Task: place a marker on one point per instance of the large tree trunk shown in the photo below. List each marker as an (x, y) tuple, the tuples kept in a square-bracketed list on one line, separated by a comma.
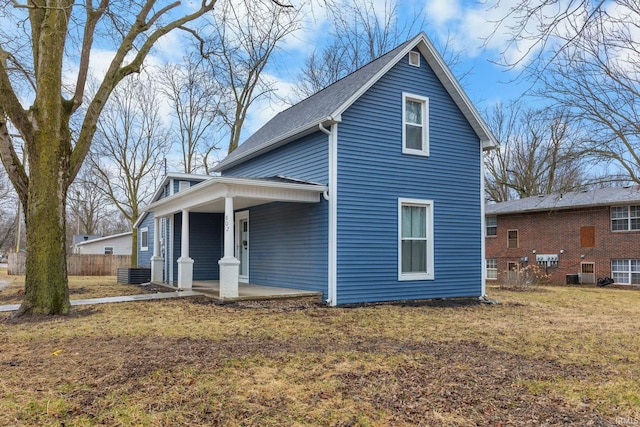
[(46, 286), (49, 151)]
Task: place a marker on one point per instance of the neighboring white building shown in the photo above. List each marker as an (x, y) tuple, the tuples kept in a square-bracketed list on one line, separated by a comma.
[(117, 244)]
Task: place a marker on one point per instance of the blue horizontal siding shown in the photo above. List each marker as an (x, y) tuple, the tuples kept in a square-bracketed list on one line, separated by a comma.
[(205, 244), (288, 245), (305, 159), (176, 184), (373, 173), (144, 257)]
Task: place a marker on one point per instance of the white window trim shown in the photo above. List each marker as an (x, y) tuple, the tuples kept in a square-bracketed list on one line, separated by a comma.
[(144, 230), (414, 54), (486, 266), (517, 238), (627, 271), (183, 185), (425, 125), (486, 226), (429, 275), (627, 219)]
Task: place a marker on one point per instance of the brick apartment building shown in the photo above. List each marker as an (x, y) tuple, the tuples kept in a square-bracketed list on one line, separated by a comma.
[(576, 237)]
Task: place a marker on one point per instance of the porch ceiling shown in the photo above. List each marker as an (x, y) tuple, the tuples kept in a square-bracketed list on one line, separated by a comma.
[(209, 195)]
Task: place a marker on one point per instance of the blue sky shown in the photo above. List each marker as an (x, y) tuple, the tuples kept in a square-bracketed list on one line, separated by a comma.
[(466, 23)]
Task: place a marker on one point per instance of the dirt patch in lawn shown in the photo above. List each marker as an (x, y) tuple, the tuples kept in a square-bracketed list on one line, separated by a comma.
[(563, 357), (428, 383)]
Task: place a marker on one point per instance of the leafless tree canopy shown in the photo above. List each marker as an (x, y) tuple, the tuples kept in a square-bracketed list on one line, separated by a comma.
[(585, 57), (130, 144), (45, 59), (362, 31), (241, 40), (197, 107), (540, 152)]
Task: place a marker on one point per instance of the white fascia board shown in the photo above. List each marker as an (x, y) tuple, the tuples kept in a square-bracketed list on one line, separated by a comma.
[(275, 143), (176, 175), (458, 94), (103, 238), (141, 218), (447, 79), (219, 187)]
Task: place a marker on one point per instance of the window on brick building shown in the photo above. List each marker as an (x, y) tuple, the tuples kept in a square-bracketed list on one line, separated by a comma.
[(588, 236), (625, 218), (512, 239), (491, 223), (492, 269), (626, 271)]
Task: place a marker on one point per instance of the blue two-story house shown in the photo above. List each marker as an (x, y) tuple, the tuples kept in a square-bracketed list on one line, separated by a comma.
[(369, 190)]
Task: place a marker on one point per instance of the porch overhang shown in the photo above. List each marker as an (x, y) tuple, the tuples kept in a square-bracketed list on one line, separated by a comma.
[(209, 196)]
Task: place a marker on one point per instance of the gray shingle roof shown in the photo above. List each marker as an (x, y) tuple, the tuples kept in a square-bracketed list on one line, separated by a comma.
[(313, 110), (326, 106), (557, 201)]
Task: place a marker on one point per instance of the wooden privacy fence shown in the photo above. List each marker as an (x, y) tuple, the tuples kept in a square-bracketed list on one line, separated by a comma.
[(77, 265)]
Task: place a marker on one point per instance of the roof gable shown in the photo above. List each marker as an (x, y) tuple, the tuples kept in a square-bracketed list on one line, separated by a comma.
[(326, 106)]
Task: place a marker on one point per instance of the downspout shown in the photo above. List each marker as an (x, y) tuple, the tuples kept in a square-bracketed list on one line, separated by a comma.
[(331, 197), (483, 225)]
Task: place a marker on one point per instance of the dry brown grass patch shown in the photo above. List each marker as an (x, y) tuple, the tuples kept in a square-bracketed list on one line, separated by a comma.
[(561, 357)]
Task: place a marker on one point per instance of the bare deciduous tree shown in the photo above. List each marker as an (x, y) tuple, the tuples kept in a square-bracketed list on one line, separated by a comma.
[(130, 144), (89, 207), (539, 152), (362, 31), (52, 36), (243, 37), (586, 57), (198, 108)]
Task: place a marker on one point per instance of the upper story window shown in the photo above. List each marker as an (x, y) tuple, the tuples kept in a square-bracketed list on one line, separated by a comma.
[(415, 229), (183, 185), (415, 124), (625, 218), (144, 239), (491, 224), (108, 250), (512, 239)]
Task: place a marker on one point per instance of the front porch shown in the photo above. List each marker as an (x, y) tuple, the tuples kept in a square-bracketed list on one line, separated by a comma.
[(249, 291), (206, 236)]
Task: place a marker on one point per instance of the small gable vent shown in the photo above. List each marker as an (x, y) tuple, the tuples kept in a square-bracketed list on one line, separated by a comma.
[(414, 58)]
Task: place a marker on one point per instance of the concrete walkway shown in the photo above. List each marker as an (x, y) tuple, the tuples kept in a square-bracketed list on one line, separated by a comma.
[(124, 298)]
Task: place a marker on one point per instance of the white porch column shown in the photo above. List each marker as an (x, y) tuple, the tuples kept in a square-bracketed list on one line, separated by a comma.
[(229, 265), (156, 260), (185, 264)]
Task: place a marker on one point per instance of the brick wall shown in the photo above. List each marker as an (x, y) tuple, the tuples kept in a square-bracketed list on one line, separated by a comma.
[(555, 231)]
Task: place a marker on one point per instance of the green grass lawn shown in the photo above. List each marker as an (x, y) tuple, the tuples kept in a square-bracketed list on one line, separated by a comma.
[(557, 356)]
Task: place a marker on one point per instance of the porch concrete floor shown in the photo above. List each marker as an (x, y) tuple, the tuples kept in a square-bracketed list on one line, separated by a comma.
[(249, 291)]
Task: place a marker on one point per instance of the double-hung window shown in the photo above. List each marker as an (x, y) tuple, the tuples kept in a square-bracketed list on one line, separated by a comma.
[(415, 124), (144, 239), (415, 246), (492, 268), (626, 271), (491, 223), (625, 218)]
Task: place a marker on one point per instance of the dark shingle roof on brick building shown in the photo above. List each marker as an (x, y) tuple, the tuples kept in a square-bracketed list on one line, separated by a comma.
[(571, 200)]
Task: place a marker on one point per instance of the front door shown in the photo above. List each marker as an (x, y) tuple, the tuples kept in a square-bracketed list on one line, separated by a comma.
[(242, 244)]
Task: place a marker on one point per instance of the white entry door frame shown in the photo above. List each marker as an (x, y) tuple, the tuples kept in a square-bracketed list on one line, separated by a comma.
[(242, 244)]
